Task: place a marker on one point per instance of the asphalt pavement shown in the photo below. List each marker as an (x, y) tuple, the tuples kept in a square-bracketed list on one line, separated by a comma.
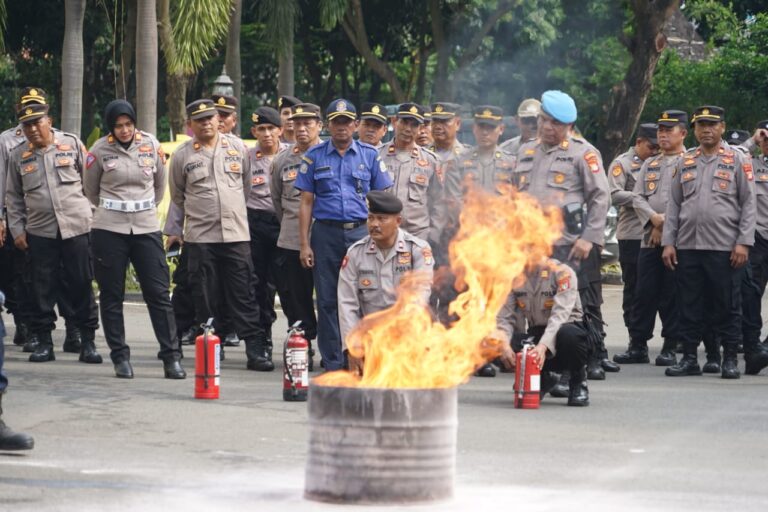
[(646, 442)]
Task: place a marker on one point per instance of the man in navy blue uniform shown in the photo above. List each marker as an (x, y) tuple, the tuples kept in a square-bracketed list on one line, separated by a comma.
[(334, 178)]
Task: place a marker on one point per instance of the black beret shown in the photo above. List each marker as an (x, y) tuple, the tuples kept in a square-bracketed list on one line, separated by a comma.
[(763, 125), (411, 111), (305, 111), (32, 95), (648, 131), (199, 109), (489, 114), (673, 118), (31, 112), (224, 104), (737, 137), (375, 112), (266, 115), (383, 203), (287, 101), (708, 113), (115, 109)]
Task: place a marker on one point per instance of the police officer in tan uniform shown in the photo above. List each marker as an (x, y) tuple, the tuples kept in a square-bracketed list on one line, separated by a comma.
[(527, 119), (210, 181), (621, 180), (547, 307), (125, 180), (424, 136), (417, 176), (709, 226), (263, 223), (226, 106), (445, 125), (373, 267), (566, 172), (49, 215), (284, 105), (373, 124), (294, 282)]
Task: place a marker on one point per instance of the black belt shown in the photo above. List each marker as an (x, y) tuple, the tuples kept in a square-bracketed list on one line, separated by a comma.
[(341, 224)]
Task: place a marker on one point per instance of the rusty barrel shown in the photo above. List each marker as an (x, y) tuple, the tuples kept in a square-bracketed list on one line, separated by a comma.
[(369, 445)]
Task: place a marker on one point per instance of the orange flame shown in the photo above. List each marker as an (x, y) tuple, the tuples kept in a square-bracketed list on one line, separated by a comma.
[(499, 236)]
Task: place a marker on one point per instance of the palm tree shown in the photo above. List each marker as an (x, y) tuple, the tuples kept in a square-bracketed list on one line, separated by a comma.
[(146, 65), (72, 66), (280, 20), (232, 61)]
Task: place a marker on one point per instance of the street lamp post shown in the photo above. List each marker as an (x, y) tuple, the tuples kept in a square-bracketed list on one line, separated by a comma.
[(224, 86)]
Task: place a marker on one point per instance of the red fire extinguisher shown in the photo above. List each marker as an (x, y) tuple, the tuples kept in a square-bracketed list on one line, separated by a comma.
[(527, 378), (207, 363), (295, 365)]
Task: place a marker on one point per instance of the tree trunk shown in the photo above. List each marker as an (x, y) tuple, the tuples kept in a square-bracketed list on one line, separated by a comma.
[(146, 66), (232, 62), (441, 87), (285, 72), (72, 67), (176, 98), (628, 97), (127, 50)]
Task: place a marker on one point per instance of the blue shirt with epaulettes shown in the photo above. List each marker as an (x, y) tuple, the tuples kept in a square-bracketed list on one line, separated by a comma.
[(340, 183)]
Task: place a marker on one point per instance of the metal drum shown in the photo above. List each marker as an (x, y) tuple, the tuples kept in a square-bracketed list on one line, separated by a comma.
[(371, 445)]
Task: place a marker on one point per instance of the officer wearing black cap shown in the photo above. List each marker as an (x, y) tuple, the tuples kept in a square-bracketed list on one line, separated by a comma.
[(226, 106), (295, 283), (373, 267), (709, 227), (373, 124), (417, 176), (284, 104), (621, 180), (49, 215), (738, 140), (334, 178), (424, 137), (211, 181), (262, 220), (445, 125), (655, 290), (125, 180)]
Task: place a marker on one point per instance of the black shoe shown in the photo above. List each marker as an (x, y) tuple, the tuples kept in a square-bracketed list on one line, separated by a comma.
[(14, 441), (72, 341), (173, 370), (21, 334), (730, 368), (636, 353), (42, 354), (548, 381), (31, 344), (485, 371), (88, 353), (756, 359), (740, 348), (609, 366), (561, 388), (258, 355), (595, 370), (579, 392), (231, 340), (711, 366), (666, 358), (687, 366), (188, 336), (124, 370)]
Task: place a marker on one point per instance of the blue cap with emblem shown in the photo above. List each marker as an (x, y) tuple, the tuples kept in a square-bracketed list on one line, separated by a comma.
[(559, 106), (340, 108)]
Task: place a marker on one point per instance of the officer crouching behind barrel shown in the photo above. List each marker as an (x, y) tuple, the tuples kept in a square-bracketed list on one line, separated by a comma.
[(548, 304)]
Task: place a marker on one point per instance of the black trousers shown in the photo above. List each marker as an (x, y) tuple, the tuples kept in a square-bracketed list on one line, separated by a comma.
[(112, 253), (54, 262), (629, 251), (181, 300), (296, 286), (224, 268), (15, 280), (752, 289), (264, 228), (709, 294), (571, 347), (656, 292)]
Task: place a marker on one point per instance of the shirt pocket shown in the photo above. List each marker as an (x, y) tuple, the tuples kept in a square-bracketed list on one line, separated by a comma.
[(31, 177), (761, 183), (197, 178), (323, 180), (234, 172), (723, 182), (417, 187), (288, 178), (260, 185), (502, 178), (368, 287), (362, 180), (147, 166), (688, 182), (65, 169), (560, 177), (651, 183)]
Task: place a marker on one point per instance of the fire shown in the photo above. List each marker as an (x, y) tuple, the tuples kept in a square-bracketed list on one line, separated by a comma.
[(404, 348)]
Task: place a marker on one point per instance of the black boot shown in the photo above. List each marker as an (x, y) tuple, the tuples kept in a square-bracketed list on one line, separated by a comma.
[(173, 370), (44, 349), (10, 440), (258, 354), (688, 365), (72, 341), (637, 353), (595, 369), (579, 392), (561, 389), (487, 370), (31, 344), (712, 349), (123, 369), (755, 357), (21, 334), (88, 353), (730, 361), (188, 336), (548, 381), (667, 356)]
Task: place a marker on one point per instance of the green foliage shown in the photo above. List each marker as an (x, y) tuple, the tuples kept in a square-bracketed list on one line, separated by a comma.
[(198, 26), (93, 137)]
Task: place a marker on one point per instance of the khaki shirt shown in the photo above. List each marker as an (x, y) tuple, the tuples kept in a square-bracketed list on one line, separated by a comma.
[(712, 204), (417, 178), (211, 187), (45, 190), (651, 191), (571, 172), (9, 139), (285, 198), (446, 154), (760, 165), (174, 221), (368, 280), (549, 297), (133, 174), (260, 197), (512, 146), (491, 171), (622, 174)]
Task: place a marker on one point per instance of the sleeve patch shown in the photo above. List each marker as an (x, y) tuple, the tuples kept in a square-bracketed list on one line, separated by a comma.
[(617, 170), (592, 162), (89, 160), (747, 166)]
